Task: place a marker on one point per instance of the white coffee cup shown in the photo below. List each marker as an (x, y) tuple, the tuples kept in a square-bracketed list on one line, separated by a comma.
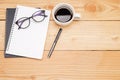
[(75, 16)]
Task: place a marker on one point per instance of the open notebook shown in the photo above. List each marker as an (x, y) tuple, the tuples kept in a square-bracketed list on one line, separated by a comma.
[(28, 41)]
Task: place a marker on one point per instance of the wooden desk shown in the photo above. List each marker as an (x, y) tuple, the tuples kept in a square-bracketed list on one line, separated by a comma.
[(87, 50)]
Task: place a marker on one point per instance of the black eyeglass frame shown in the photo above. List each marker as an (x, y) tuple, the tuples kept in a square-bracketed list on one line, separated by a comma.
[(42, 13)]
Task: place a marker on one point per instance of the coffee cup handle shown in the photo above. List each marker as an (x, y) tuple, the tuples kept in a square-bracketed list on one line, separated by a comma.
[(77, 16)]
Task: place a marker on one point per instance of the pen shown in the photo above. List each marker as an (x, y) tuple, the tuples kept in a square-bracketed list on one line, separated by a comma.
[(54, 43)]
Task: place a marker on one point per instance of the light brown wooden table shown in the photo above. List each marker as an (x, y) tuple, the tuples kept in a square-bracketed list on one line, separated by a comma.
[(88, 49)]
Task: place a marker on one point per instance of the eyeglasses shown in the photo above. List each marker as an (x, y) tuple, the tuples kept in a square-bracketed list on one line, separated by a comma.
[(24, 22)]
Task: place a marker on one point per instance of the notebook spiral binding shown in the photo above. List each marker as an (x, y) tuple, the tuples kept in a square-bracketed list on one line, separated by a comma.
[(12, 29)]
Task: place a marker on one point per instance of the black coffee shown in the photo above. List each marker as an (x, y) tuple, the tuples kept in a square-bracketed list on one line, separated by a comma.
[(63, 15)]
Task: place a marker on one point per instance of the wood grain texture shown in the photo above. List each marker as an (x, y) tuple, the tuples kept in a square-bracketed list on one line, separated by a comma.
[(80, 35), (64, 65), (80, 52), (89, 9)]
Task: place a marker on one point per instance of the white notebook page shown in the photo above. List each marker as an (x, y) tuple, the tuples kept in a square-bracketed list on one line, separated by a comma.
[(28, 42)]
